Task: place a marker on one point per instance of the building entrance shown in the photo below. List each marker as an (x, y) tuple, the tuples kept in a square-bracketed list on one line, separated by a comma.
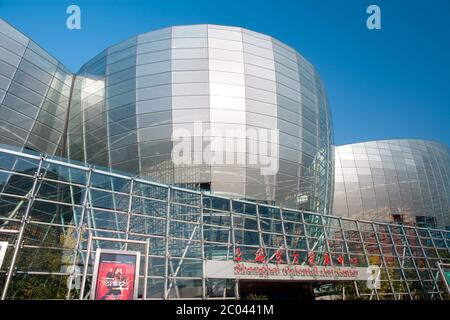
[(276, 290)]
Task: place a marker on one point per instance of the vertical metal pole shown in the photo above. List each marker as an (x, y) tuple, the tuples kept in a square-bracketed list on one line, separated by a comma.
[(435, 248), (233, 243), (202, 248), (224, 295), (229, 241), (288, 258), (86, 264), (401, 266), (130, 203), (23, 224), (78, 247), (305, 231), (166, 269), (236, 290), (147, 248), (258, 223)]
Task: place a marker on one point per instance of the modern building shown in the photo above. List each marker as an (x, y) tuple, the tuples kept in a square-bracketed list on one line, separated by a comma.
[(208, 83), (126, 107), (405, 181), (204, 152)]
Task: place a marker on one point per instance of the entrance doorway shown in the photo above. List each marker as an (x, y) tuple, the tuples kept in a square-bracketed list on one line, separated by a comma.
[(292, 290), (276, 290)]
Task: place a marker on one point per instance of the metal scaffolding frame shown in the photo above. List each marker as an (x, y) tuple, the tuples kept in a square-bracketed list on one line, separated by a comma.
[(183, 229)]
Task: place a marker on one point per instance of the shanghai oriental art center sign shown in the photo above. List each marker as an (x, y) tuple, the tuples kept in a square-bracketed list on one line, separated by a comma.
[(256, 271)]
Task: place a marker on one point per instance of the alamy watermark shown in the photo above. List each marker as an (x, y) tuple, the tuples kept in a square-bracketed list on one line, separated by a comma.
[(255, 147), (374, 277), (74, 279), (74, 20), (374, 20)]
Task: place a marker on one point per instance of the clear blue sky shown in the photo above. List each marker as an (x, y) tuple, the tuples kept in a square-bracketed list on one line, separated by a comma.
[(393, 83)]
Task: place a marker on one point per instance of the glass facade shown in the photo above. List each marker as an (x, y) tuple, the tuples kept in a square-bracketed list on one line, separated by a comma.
[(406, 181), (129, 101), (50, 208), (34, 94)]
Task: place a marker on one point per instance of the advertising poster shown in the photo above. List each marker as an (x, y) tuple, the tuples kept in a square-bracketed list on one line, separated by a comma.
[(116, 275)]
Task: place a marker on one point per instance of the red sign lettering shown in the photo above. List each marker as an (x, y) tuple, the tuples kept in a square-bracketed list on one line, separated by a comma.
[(326, 259), (311, 258), (259, 256), (238, 254), (279, 256), (295, 258)]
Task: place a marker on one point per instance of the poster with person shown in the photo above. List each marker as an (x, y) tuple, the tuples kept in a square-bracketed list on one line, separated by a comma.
[(115, 275)]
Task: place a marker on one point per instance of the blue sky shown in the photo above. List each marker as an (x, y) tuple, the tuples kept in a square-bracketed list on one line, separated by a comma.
[(389, 83)]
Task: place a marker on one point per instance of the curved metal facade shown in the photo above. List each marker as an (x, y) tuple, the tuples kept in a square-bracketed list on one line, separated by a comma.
[(34, 94), (130, 100), (394, 180)]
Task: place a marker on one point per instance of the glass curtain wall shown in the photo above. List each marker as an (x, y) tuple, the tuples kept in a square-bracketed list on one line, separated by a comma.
[(34, 94), (48, 208)]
